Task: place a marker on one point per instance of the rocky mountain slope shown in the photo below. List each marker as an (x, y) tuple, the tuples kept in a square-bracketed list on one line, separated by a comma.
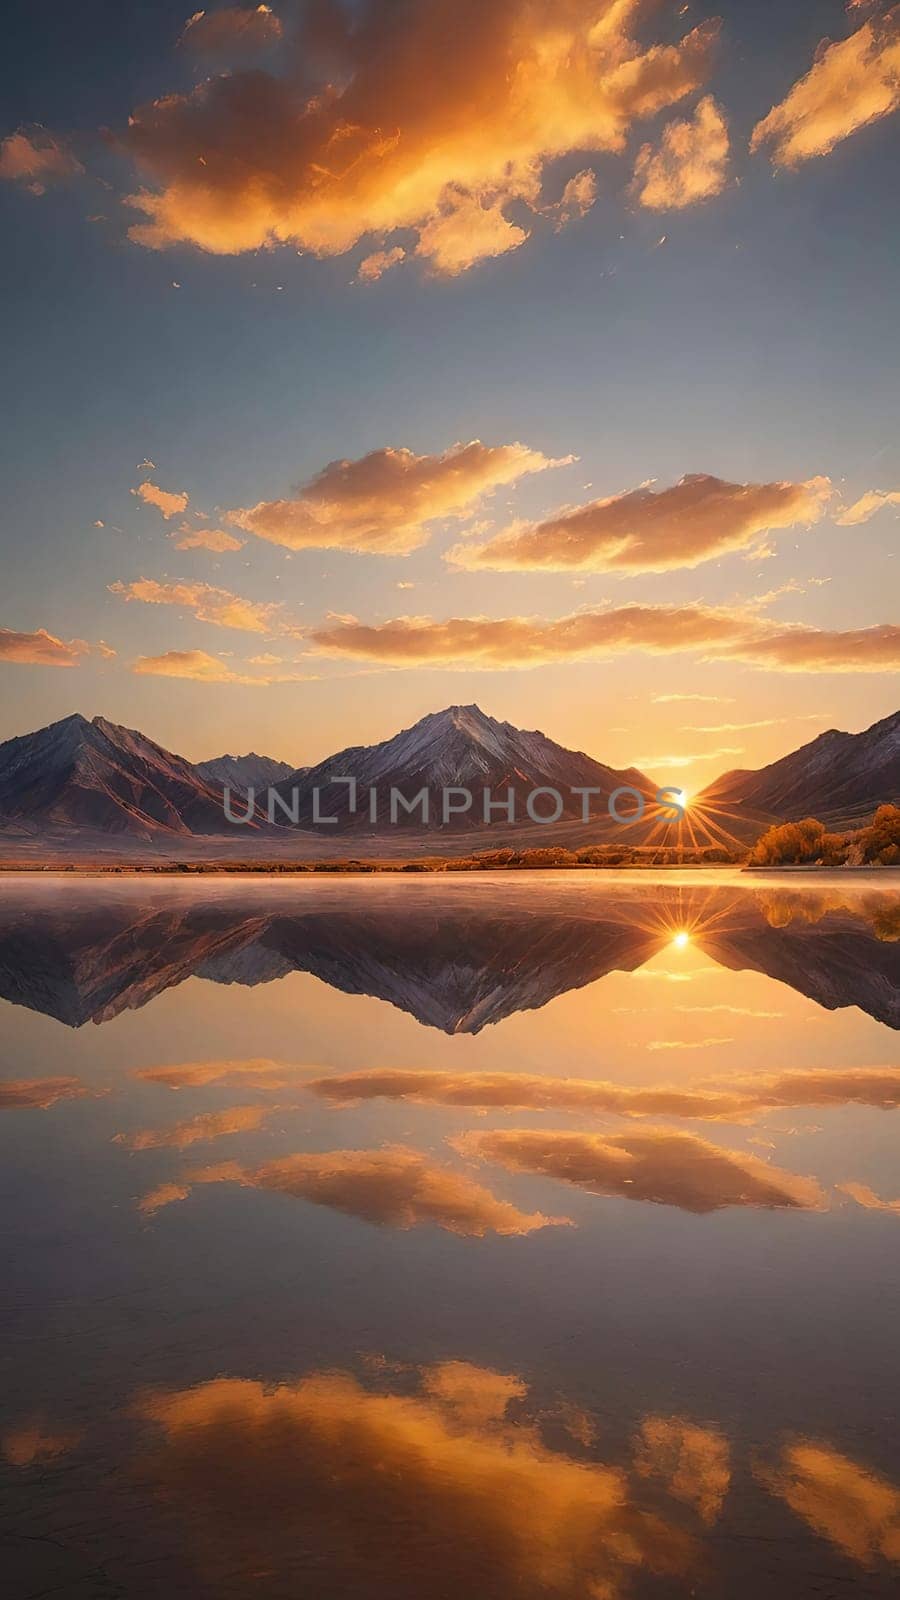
[(459, 747), (99, 777), (243, 772), (840, 776)]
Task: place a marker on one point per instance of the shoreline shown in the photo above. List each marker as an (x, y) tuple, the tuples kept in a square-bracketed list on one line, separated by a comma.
[(448, 867)]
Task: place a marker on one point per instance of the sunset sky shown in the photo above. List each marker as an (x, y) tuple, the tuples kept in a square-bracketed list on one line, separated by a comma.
[(365, 358)]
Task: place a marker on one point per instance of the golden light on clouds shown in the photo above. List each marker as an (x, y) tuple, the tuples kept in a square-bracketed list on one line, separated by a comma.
[(202, 1129), (254, 159), (693, 1462), (660, 1165), (852, 82), (395, 1187), (385, 501), (868, 506), (852, 1507), (652, 530), (18, 1094), (690, 163), (41, 649), (265, 1074), (209, 604), (199, 666), (35, 156), (446, 1490), (214, 539), (712, 632), (166, 501)]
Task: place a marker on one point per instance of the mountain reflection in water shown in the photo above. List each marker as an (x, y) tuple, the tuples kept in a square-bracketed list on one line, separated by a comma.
[(559, 1263), (454, 960)]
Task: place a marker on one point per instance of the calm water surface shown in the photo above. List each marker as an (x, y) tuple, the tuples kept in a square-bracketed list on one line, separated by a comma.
[(474, 1237)]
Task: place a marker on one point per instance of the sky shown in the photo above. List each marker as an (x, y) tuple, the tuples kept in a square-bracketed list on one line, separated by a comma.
[(368, 358)]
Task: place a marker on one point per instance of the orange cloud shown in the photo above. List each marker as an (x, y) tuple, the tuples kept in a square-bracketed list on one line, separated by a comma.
[(215, 539), (41, 649), (203, 1129), (396, 1188), (801, 649), (578, 196), (167, 1194), (726, 1099), (529, 641), (689, 165), (867, 506), (33, 1442), (38, 1093), (34, 155), (196, 665), (166, 502), (197, 1074), (867, 1198), (526, 1091), (650, 530), (384, 502), (655, 1164), (208, 604), (200, 667), (428, 1492), (854, 1509), (713, 632), (233, 30), (692, 1462), (853, 82), (469, 228), (254, 159), (373, 267)]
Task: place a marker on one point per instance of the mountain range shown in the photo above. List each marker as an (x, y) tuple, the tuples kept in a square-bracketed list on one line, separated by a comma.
[(89, 779)]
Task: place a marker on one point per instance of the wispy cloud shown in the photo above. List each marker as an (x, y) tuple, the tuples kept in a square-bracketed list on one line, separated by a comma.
[(214, 539), (208, 604), (869, 504), (731, 1098), (384, 502), (169, 503), (712, 632), (19, 1094), (690, 163), (43, 649), (653, 1164), (397, 1188), (852, 82), (201, 667), (202, 1129), (652, 530), (35, 157)]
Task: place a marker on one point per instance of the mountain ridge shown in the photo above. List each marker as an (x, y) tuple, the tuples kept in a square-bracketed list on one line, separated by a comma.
[(837, 775), (96, 777), (456, 747)]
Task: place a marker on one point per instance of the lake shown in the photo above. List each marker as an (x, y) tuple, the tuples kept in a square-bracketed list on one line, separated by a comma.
[(476, 1235)]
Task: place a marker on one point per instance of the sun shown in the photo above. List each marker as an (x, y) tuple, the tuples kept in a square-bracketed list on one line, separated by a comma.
[(682, 939)]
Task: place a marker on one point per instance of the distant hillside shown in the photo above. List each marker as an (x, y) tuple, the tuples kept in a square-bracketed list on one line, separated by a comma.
[(243, 772), (836, 777)]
